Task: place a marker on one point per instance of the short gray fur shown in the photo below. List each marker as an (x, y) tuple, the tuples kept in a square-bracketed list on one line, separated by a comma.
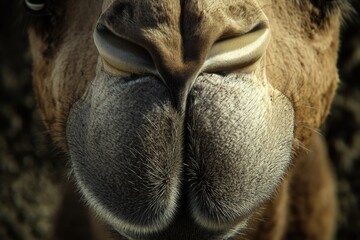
[(139, 162)]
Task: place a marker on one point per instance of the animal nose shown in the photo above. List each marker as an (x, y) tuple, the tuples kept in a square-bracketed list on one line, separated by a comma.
[(173, 48), (121, 56)]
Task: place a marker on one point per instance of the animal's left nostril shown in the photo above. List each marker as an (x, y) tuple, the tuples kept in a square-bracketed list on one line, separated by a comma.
[(35, 5), (121, 55), (237, 53)]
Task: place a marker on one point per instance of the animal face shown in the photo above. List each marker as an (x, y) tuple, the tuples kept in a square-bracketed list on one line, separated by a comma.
[(181, 118)]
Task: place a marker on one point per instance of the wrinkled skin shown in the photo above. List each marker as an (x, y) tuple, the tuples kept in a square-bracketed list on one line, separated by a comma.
[(189, 153)]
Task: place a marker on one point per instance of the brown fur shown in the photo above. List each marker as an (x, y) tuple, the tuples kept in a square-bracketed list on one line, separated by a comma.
[(305, 206), (300, 62)]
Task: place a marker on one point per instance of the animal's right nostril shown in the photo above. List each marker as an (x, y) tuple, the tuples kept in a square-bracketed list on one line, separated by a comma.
[(121, 55)]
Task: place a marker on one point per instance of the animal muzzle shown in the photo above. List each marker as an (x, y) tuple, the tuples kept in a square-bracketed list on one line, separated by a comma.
[(180, 121)]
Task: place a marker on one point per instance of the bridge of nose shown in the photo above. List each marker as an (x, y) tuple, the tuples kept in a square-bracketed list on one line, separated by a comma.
[(177, 34)]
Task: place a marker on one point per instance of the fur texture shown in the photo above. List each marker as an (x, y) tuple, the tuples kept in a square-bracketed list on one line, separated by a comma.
[(189, 154)]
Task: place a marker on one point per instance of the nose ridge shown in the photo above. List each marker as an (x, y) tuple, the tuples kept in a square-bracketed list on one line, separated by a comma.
[(176, 39)]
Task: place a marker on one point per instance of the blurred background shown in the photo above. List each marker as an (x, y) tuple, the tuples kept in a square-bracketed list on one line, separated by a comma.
[(33, 180)]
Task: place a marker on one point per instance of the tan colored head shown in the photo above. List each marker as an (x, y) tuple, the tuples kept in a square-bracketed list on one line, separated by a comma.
[(181, 117)]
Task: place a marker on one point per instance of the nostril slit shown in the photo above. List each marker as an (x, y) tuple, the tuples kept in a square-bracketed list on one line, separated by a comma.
[(237, 52), (261, 25), (120, 54), (226, 36)]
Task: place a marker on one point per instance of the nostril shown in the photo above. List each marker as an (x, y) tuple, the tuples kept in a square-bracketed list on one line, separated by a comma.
[(236, 53), (121, 55)]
